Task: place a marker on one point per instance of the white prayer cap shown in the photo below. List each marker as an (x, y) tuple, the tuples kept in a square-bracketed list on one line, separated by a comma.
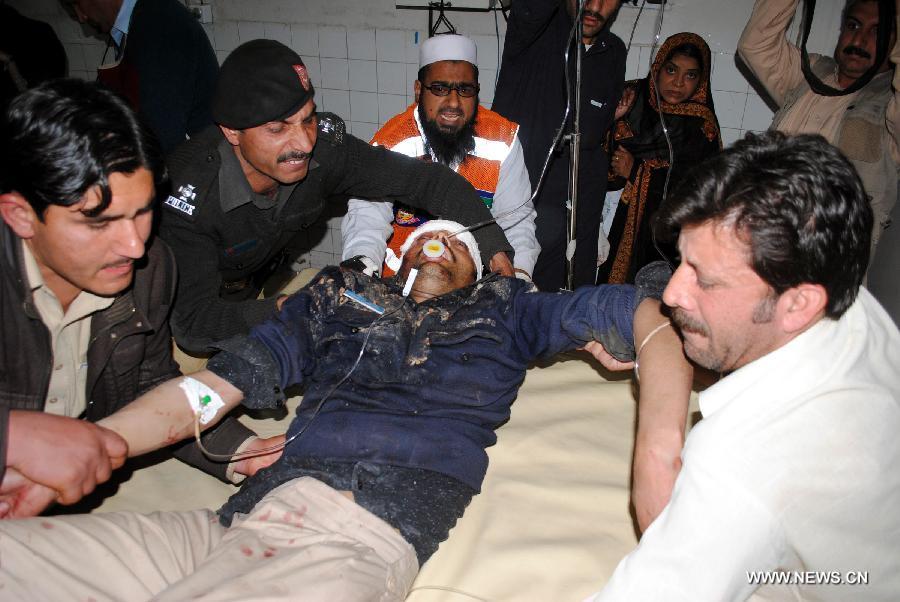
[(447, 47), (450, 227)]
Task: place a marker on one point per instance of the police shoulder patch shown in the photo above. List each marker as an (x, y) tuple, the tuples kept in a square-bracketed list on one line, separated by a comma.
[(332, 128), (184, 200)]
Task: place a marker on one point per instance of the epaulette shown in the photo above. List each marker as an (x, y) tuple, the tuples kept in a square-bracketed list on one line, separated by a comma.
[(331, 128), (194, 170)]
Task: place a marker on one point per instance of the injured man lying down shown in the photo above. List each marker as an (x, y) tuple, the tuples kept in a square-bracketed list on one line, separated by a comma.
[(405, 381)]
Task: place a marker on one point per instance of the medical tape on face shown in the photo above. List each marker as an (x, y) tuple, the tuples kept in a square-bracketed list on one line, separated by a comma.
[(204, 401), (413, 272)]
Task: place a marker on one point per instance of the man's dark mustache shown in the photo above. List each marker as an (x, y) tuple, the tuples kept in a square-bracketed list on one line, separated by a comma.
[(119, 264), (293, 156), (857, 51), (595, 14), (688, 324)]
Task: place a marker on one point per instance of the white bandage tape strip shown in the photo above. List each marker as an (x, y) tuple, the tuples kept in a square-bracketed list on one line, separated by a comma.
[(203, 400), (391, 259), (413, 272)]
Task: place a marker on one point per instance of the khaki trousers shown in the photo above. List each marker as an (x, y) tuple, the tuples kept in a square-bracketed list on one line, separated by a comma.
[(303, 541)]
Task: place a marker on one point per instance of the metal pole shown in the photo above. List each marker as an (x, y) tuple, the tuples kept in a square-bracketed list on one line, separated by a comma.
[(574, 151)]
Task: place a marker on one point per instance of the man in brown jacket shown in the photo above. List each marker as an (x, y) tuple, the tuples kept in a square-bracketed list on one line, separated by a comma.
[(86, 291)]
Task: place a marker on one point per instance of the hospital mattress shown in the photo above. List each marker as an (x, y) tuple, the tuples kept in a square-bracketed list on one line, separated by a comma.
[(552, 520)]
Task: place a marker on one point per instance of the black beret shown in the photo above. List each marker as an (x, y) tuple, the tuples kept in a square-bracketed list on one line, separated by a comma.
[(260, 81)]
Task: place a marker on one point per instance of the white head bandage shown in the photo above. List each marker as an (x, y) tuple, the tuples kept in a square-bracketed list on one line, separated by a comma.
[(437, 225), (447, 47)]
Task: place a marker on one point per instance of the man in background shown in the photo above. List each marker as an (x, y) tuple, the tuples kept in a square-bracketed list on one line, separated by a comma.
[(447, 125), (531, 91), (864, 124), (162, 62), (30, 53)]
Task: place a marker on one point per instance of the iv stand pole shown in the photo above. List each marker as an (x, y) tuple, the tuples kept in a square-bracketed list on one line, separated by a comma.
[(574, 139)]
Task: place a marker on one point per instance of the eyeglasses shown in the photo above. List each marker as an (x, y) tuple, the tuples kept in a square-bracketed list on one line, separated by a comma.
[(443, 89)]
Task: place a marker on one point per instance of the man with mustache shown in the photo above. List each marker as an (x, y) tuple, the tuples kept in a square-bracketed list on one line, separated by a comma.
[(447, 125), (865, 124), (244, 191), (789, 483), (407, 378), (531, 91)]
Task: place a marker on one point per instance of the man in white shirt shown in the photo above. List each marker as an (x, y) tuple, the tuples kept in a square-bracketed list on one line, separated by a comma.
[(789, 488), (447, 125)]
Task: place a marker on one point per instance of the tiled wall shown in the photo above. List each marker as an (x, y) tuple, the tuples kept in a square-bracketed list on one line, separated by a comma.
[(362, 56)]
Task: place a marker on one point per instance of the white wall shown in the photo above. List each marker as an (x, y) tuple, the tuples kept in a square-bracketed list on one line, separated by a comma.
[(362, 55)]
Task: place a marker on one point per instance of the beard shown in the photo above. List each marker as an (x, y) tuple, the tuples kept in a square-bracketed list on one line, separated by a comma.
[(705, 357), (764, 312), (722, 353), (450, 148)]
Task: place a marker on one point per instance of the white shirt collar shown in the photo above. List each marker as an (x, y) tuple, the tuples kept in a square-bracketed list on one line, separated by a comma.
[(776, 374)]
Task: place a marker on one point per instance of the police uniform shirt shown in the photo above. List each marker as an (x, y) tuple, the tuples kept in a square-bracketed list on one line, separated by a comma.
[(234, 190)]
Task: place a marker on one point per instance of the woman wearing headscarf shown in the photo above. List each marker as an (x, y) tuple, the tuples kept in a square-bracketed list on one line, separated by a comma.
[(678, 88)]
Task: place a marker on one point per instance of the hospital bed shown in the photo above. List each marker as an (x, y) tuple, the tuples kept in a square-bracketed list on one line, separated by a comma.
[(552, 520)]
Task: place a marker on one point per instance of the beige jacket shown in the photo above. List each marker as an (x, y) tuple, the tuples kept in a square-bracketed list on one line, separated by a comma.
[(867, 126)]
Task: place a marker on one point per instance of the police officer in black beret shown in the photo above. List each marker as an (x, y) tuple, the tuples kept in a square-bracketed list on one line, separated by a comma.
[(241, 191)]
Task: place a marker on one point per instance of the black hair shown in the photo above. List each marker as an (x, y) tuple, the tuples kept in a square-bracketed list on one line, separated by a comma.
[(689, 50), (796, 201), (848, 6), (449, 149), (65, 136), (423, 72)]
